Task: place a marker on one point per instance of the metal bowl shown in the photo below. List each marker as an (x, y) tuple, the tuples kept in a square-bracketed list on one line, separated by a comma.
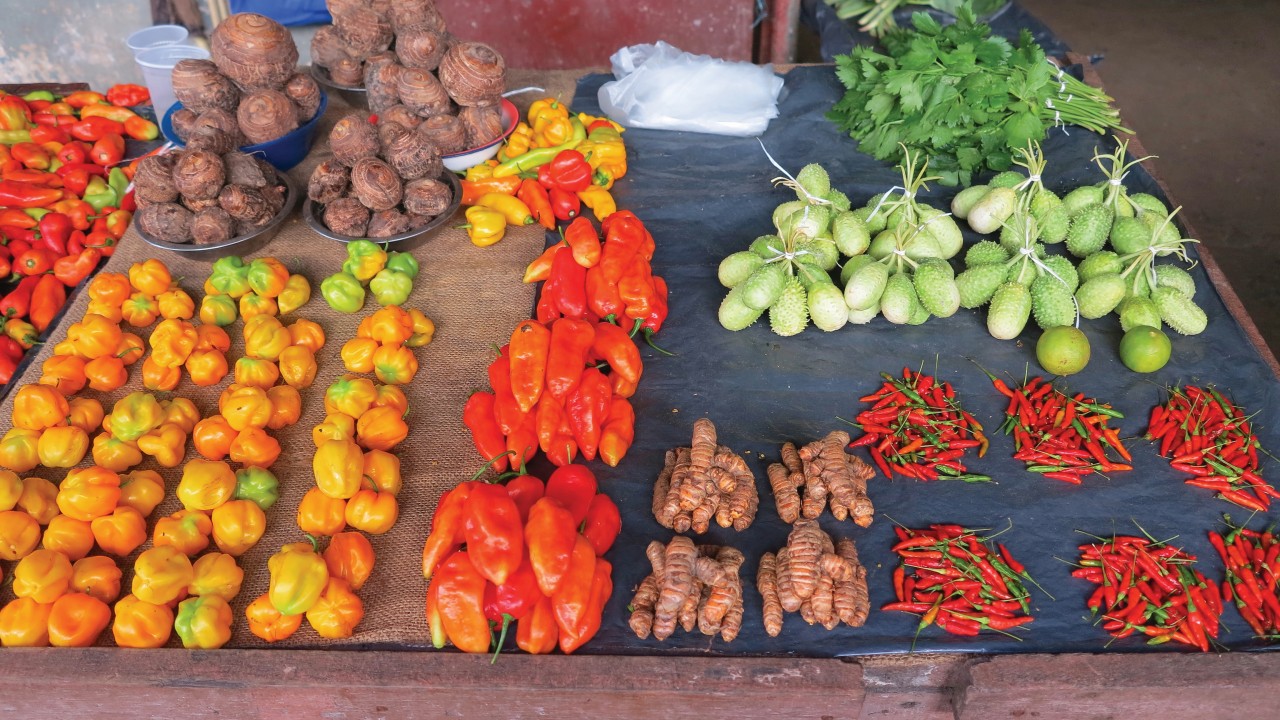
[(460, 161), (312, 212), (356, 96), (242, 245)]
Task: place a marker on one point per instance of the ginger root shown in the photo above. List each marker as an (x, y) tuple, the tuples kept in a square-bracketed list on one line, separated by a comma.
[(702, 482), (690, 586), (820, 579), (828, 476)]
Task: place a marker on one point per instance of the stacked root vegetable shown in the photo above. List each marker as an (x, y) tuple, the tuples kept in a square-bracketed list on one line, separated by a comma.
[(690, 586), (1150, 588), (1211, 438), (533, 555), (547, 392), (812, 575), (825, 473), (704, 481)]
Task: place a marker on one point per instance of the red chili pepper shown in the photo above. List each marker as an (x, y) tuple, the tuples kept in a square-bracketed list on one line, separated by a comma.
[(55, 228), (128, 95), (478, 417), (17, 303), (25, 195), (570, 285), (602, 523), (569, 171), (535, 196), (47, 299), (35, 261), (564, 205), (574, 487), (108, 150)]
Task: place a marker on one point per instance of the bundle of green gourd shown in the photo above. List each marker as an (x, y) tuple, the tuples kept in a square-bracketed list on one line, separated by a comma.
[(905, 275), (787, 273)]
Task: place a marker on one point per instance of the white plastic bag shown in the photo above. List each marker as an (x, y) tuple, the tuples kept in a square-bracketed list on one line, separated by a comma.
[(664, 88)]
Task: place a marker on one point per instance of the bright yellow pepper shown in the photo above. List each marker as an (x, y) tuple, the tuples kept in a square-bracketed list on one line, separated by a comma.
[(207, 367), (382, 471), (298, 578), (348, 395), (140, 310), (424, 330), (19, 534), (605, 152), (141, 490), (64, 373), (253, 305), (10, 489), (381, 428), (335, 426), (187, 531), (135, 415), (484, 226), (338, 466), (237, 526), (131, 348), (39, 499), (96, 576), (161, 574), (245, 407), (298, 366), (268, 277), (286, 406), (216, 574), (218, 310), (176, 304), (391, 325), (372, 511), (337, 611), (599, 200), (19, 449), (43, 576), (318, 514), (296, 293), (121, 532), (36, 407), (71, 537), (306, 333), (269, 623), (89, 493), (365, 259), (181, 412), (167, 444), (213, 436), (395, 365), (254, 446), (172, 342), (393, 397), (357, 354), (206, 484), (519, 142), (482, 171), (546, 107), (114, 313), (512, 208), (25, 623), (95, 336), (62, 447), (150, 276), (85, 413), (203, 622), (158, 378), (265, 337), (140, 624), (65, 348), (115, 454), (551, 131), (255, 372)]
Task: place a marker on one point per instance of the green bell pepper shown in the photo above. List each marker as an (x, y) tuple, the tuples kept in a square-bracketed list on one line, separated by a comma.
[(230, 276), (343, 292), (364, 260), (259, 485), (404, 262), (391, 287)]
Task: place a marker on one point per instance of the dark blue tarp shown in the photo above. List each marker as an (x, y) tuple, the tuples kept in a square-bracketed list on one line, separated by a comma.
[(286, 12)]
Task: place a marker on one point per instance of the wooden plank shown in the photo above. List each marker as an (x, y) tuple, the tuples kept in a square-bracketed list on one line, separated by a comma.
[(110, 684), (1166, 685), (912, 687)]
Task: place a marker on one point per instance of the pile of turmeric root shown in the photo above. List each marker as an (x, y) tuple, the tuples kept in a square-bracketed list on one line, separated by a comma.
[(827, 475), (812, 575), (705, 481), (690, 586)]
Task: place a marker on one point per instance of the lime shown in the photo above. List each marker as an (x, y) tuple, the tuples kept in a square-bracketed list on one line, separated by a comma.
[(1144, 349), (1063, 350)]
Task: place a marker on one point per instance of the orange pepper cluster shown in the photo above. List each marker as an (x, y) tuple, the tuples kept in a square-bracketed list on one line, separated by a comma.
[(263, 286), (320, 587), (383, 344)]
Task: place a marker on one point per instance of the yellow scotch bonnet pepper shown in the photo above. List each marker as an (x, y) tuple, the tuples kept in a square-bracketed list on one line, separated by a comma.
[(298, 578), (338, 466)]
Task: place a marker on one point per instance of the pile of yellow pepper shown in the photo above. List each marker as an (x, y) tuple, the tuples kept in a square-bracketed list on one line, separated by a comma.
[(263, 286)]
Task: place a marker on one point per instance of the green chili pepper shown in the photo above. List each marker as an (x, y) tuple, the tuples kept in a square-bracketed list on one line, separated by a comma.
[(404, 262), (533, 158), (259, 485), (39, 95), (343, 292), (391, 287)]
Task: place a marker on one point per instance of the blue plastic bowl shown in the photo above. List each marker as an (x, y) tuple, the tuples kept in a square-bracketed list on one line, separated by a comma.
[(283, 152)]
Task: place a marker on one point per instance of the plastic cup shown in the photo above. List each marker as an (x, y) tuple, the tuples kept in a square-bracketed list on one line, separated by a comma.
[(156, 35), (157, 71)]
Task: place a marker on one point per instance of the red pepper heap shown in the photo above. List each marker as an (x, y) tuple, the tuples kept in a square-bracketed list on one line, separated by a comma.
[(1210, 438), (1149, 587), (953, 578), (549, 391), (533, 555), (916, 428), (1253, 576), (1060, 436)]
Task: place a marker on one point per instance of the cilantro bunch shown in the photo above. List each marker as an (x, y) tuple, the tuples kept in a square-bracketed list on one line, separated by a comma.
[(964, 97)]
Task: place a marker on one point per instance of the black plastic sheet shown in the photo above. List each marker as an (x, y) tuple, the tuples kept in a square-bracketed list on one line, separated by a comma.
[(705, 196)]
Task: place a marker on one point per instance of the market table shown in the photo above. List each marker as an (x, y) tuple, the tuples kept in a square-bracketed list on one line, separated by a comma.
[(475, 297)]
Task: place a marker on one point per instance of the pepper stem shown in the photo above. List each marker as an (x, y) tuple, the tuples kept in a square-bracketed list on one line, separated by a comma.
[(502, 637), (489, 464)]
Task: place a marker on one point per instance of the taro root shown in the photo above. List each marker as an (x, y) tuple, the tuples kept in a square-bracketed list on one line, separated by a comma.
[(446, 133), (348, 72), (376, 184), (337, 7), (413, 156), (381, 75), (400, 115), (169, 222), (224, 120), (421, 92), (210, 139), (305, 93), (473, 73), (199, 174), (386, 223), (328, 47), (388, 130), (275, 197), (212, 225), (483, 124), (346, 216), (195, 205), (247, 205), (197, 84), (416, 221), (153, 180), (353, 138), (267, 169), (409, 14), (364, 31), (253, 50), (427, 196), (420, 47), (244, 170), (266, 115), (328, 182), (184, 121)]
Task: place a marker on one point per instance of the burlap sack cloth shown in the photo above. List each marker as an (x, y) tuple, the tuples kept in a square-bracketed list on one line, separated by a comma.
[(474, 295)]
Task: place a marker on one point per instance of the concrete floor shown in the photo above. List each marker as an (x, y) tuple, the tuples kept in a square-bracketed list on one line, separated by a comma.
[(1196, 81)]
